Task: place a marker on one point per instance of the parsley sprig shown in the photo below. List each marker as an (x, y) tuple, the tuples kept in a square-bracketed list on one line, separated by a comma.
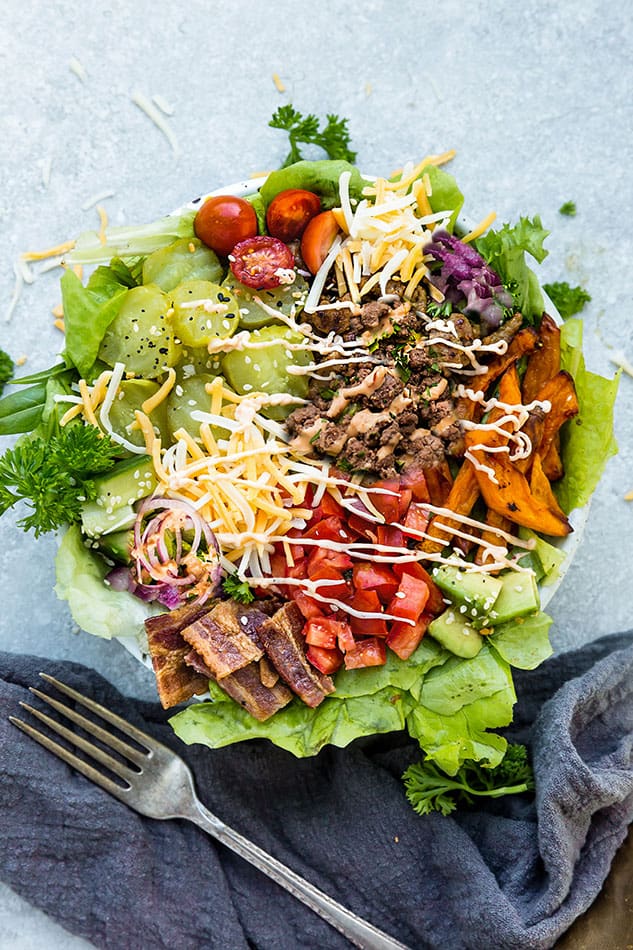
[(333, 138), (430, 789), (567, 300), (54, 477), (237, 589)]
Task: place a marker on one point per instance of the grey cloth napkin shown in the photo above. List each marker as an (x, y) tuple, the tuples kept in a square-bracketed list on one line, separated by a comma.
[(514, 873)]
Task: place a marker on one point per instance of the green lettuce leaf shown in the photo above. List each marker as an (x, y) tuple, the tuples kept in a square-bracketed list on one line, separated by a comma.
[(95, 608), (88, 312), (297, 728), (320, 177), (524, 641), (505, 251), (131, 241), (587, 441), (445, 195)]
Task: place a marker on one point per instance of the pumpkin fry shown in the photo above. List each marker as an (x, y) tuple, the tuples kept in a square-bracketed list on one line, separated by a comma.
[(544, 361)]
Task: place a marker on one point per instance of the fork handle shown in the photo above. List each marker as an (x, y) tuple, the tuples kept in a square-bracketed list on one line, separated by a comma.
[(358, 931)]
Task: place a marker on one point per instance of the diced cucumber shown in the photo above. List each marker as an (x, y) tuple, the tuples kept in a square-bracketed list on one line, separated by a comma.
[(474, 590), (112, 509), (117, 545), (519, 596), (453, 631)]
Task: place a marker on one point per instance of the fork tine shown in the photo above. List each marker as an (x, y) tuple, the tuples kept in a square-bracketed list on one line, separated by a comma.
[(92, 750), (141, 737), (71, 759), (134, 755)]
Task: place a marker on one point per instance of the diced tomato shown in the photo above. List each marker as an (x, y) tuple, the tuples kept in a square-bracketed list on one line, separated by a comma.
[(362, 527), (387, 505), (378, 577), (327, 633), (307, 605), (416, 482), (417, 519), (393, 537), (337, 559), (404, 638), (345, 638), (331, 528), (410, 599), (330, 506), (326, 661), (338, 591), (368, 652), (435, 604), (369, 602)]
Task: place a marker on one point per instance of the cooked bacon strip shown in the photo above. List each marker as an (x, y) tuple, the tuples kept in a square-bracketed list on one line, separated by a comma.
[(175, 679), (227, 638), (247, 689), (284, 646)]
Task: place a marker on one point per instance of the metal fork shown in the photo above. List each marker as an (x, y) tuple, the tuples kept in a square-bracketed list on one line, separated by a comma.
[(159, 784)]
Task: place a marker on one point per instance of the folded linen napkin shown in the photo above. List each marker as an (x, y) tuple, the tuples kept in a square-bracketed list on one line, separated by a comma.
[(512, 873)]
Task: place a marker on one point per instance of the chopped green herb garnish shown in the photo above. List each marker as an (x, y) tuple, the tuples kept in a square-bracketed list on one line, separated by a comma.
[(567, 300), (333, 138), (237, 589), (568, 208), (430, 789)]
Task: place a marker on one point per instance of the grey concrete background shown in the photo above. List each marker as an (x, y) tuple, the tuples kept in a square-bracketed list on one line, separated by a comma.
[(535, 97)]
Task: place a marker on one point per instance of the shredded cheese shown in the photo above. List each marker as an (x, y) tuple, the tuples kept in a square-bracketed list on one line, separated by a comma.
[(279, 86), (59, 249), (480, 228), (150, 110)]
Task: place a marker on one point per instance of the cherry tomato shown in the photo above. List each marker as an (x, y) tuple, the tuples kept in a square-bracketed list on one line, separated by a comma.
[(259, 262), (317, 239), (223, 221), (289, 212)]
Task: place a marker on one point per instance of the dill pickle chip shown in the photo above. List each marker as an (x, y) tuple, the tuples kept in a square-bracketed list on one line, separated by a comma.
[(287, 300), (186, 259), (142, 335), (203, 311)]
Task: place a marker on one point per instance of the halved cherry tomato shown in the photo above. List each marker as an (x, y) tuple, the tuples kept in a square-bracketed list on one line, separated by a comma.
[(289, 212), (260, 262), (317, 239), (404, 638), (326, 661), (410, 599), (368, 652), (223, 221)]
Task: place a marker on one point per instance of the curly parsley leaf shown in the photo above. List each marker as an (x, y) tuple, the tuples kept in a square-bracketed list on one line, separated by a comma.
[(54, 477), (567, 300), (237, 590), (430, 789), (568, 208), (6, 369), (333, 138)]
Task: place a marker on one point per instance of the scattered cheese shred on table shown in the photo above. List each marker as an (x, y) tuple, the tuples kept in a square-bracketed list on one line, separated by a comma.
[(77, 68), (278, 83), (154, 114)]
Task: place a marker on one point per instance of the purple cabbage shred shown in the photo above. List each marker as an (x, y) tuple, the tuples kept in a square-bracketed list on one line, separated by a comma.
[(464, 275)]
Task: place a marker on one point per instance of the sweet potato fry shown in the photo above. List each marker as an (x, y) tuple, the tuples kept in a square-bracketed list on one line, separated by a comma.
[(461, 499), (439, 482), (552, 462), (544, 361), (524, 342), (541, 488), (561, 393), (509, 495), (494, 520)]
